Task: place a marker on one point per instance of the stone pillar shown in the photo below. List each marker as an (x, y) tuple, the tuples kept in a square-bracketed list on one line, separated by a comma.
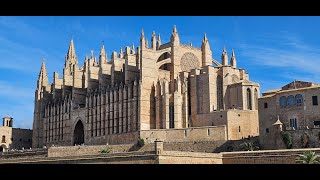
[(177, 110), (115, 111), (98, 115), (158, 105), (107, 113), (120, 109), (165, 106), (135, 106), (129, 117), (158, 145), (125, 110), (111, 119)]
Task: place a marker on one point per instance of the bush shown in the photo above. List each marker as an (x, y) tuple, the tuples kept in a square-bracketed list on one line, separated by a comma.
[(308, 157), (140, 142), (287, 139), (106, 151), (249, 146)]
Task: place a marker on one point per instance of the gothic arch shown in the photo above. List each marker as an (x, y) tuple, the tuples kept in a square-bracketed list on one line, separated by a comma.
[(164, 56), (3, 147), (78, 132)]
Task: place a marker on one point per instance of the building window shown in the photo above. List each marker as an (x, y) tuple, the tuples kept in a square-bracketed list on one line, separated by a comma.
[(293, 123), (291, 101), (29, 140), (249, 103), (283, 101), (239, 129), (256, 99), (219, 93), (299, 99), (3, 139), (316, 123), (20, 139), (265, 105), (171, 115), (315, 100), (267, 130)]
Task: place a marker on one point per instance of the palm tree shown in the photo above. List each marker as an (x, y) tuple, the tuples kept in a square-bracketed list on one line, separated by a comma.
[(249, 146), (308, 157)]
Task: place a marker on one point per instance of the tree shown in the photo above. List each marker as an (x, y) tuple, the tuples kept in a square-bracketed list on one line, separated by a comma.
[(249, 146), (308, 157)]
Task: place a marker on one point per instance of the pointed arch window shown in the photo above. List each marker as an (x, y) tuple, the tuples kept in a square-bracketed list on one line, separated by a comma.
[(249, 101), (219, 93)]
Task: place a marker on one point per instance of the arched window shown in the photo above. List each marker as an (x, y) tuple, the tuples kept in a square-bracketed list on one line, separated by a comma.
[(299, 99), (249, 102), (219, 93), (291, 101), (3, 139), (256, 99), (171, 115), (283, 101)]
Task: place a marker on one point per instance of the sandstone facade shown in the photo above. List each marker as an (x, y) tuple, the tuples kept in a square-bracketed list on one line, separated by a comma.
[(153, 88)]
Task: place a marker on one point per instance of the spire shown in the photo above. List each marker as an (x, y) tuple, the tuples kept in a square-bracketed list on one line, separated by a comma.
[(121, 53), (103, 55), (43, 76), (159, 41), (205, 42), (224, 57), (142, 40), (132, 49), (153, 41), (71, 51), (233, 60), (142, 34), (147, 44), (174, 36)]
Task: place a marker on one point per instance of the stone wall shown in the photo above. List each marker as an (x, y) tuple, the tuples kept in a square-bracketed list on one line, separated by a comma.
[(178, 157), (283, 156), (85, 150), (207, 133), (21, 138)]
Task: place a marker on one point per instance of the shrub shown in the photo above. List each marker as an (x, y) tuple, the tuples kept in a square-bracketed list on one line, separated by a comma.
[(249, 146), (287, 139), (308, 157), (140, 142), (106, 151)]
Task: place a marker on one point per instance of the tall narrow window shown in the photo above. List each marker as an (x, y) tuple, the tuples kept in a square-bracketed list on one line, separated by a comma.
[(283, 101), (256, 99), (293, 123), (291, 101), (171, 115), (299, 99), (249, 102), (219, 93), (315, 100), (3, 139)]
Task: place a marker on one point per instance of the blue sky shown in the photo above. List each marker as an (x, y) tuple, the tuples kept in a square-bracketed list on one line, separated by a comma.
[(274, 50)]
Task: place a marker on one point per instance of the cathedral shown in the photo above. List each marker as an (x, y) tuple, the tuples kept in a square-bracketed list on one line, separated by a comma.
[(157, 91)]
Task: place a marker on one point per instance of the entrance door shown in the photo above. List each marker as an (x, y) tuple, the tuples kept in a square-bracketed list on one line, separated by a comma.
[(78, 134)]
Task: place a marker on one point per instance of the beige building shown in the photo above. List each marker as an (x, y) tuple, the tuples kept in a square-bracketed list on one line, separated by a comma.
[(297, 107), (165, 91), (14, 138)]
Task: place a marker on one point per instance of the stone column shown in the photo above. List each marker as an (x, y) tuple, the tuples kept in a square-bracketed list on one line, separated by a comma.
[(158, 145), (120, 109)]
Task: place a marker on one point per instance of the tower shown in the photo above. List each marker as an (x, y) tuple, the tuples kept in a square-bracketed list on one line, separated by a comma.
[(42, 90), (224, 57), (206, 52)]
